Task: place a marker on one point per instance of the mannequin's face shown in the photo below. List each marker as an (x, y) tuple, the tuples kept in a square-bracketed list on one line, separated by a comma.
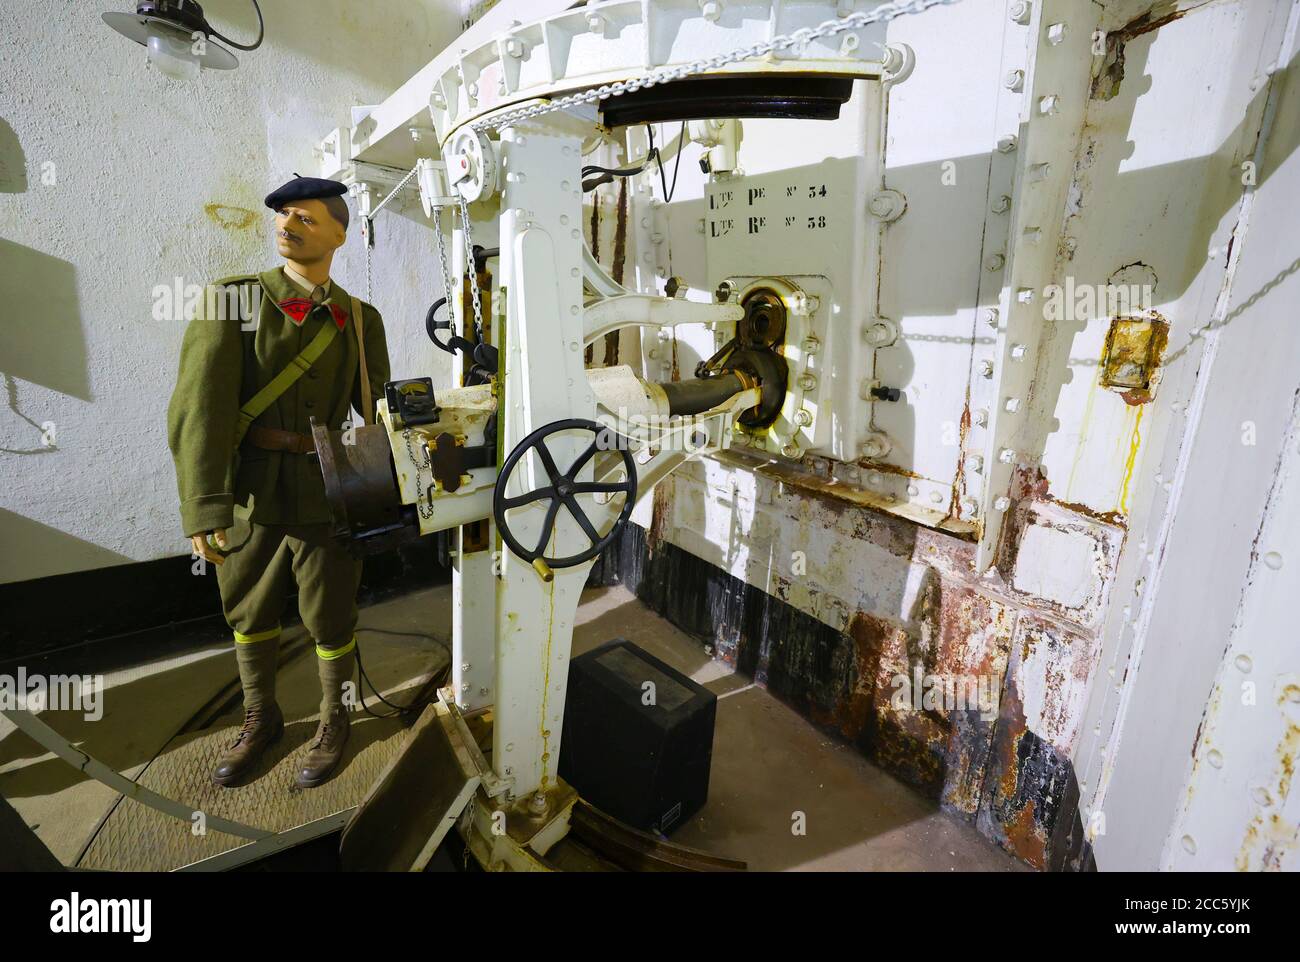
[(306, 232)]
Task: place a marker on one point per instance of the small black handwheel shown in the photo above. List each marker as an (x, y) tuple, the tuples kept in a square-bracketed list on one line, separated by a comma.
[(562, 490)]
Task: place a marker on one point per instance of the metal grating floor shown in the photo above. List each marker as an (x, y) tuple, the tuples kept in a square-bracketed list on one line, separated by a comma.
[(135, 837)]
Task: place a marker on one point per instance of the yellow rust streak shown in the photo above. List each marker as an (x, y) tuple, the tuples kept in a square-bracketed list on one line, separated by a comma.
[(546, 674), (1084, 425), (1135, 442)]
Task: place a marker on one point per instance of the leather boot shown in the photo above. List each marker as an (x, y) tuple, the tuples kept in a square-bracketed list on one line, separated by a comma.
[(326, 750), (263, 724), (263, 720)]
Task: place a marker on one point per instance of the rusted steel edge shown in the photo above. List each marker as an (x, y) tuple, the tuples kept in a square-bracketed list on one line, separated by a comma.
[(638, 851)]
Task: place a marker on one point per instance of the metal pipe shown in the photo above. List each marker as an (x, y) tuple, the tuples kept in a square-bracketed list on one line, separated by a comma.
[(702, 394)]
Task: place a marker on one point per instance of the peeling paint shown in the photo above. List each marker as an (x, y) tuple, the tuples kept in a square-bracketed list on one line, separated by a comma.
[(1270, 836), (1109, 72)]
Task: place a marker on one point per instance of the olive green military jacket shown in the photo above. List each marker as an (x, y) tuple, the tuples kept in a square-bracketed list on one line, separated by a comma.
[(225, 361)]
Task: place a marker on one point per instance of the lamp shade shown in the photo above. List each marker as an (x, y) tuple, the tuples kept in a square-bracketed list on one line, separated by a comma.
[(171, 43)]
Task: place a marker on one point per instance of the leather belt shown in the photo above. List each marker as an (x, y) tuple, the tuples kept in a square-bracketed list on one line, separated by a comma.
[(273, 439)]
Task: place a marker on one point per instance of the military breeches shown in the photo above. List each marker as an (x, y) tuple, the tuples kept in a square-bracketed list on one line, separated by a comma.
[(256, 578)]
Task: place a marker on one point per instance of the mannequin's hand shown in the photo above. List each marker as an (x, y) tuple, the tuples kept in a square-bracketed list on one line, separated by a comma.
[(205, 550)]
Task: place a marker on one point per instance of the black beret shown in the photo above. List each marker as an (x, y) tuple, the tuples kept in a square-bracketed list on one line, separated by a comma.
[(304, 188)]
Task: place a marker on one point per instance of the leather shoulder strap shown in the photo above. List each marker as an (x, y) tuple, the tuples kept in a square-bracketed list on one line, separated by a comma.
[(299, 366), (368, 415)]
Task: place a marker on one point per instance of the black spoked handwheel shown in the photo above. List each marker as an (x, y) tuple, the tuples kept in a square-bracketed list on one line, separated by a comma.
[(562, 491)]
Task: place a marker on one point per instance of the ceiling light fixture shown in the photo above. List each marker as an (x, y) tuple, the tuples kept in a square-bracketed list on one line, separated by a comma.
[(179, 38)]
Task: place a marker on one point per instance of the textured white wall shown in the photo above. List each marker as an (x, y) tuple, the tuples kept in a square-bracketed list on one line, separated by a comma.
[(114, 179)]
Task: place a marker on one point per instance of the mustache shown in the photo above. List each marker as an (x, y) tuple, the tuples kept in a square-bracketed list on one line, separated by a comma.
[(289, 236)]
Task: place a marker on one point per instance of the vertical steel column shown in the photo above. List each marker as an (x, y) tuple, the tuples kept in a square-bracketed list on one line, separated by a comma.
[(541, 277), (473, 588), (473, 622)]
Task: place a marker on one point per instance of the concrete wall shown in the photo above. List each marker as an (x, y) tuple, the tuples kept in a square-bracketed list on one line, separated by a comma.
[(115, 179)]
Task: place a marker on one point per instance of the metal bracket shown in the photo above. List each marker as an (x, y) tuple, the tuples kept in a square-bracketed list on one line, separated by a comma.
[(650, 310), (370, 184)]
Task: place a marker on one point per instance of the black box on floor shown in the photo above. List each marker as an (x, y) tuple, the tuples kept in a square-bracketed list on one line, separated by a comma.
[(638, 737)]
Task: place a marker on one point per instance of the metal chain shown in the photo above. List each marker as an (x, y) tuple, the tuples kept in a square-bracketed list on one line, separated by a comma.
[(472, 267), (366, 243), (442, 260), (426, 511), (370, 225), (799, 38), (394, 192)]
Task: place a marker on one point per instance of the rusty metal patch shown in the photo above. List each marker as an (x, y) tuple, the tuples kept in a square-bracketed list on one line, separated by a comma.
[(1132, 355)]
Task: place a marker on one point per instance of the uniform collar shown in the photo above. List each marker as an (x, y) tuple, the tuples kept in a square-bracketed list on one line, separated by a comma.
[(288, 297), (303, 283)]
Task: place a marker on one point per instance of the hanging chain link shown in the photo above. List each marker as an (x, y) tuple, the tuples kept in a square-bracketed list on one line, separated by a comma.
[(798, 38), (442, 258), (369, 293), (421, 505), (471, 267), (394, 192), (370, 227)]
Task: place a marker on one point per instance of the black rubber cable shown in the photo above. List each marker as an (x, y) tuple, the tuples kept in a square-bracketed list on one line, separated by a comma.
[(658, 156), (398, 709), (677, 163), (261, 32)]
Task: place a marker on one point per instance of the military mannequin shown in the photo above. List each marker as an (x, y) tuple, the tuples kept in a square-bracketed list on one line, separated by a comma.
[(239, 432)]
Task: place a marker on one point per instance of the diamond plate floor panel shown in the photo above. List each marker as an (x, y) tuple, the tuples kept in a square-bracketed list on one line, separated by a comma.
[(135, 837)]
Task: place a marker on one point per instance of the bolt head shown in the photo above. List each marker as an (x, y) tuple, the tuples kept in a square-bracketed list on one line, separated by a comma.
[(887, 205), (876, 446)]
